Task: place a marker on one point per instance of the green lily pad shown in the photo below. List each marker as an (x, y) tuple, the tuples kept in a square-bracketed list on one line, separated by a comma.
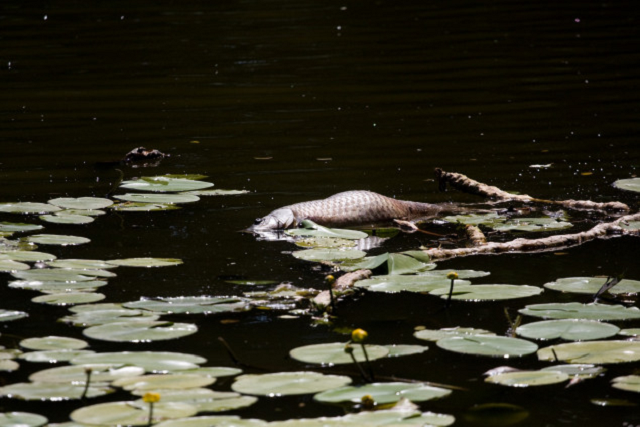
[(59, 275), (488, 219), (367, 263), (219, 192), (99, 316), (213, 371), (383, 393), (163, 381), (487, 292), (204, 399), (629, 184), (630, 332), (398, 283), (28, 208), (81, 212), (7, 365), (151, 361), (214, 421), (145, 262), (29, 256), (87, 203), (592, 352), (583, 371), (143, 207), (397, 350), (630, 225), (396, 264), (81, 264), (69, 298), (591, 285), (334, 353), (164, 184), (21, 419), (77, 374), (487, 345), (435, 335), (528, 378), (141, 331), (130, 413), (162, 199), (7, 265), (54, 286), (54, 239), (67, 219), (567, 329), (18, 226), (324, 242), (8, 315), (53, 356), (533, 224), (311, 229), (391, 417), (328, 254), (53, 343), (287, 383), (575, 310), (40, 391), (628, 382), (190, 305)]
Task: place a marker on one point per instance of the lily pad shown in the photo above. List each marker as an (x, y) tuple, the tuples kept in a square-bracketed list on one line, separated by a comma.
[(213, 371), (630, 225), (163, 381), (396, 264), (287, 383), (399, 283), (81, 202), (40, 391), (53, 286), (311, 229), (383, 393), (214, 421), (29, 256), (435, 335), (628, 382), (592, 352), (81, 212), (575, 310), (488, 292), (397, 350), (130, 413), (533, 224), (8, 315), (143, 207), (583, 371), (13, 227), (54, 239), (486, 345), (163, 184), (528, 378), (21, 419), (141, 331), (77, 374), (190, 305), (629, 184), (392, 417), (67, 219), (81, 264), (28, 208), (53, 356), (69, 298), (99, 316), (53, 343), (145, 262), (591, 285), (328, 254), (162, 199), (204, 399), (57, 275), (334, 353), (151, 361), (219, 192), (7, 265), (489, 219), (567, 329)]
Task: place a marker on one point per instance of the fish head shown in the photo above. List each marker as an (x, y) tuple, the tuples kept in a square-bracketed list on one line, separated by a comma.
[(280, 219)]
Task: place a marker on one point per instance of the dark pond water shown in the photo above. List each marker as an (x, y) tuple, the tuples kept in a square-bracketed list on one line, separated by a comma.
[(338, 96)]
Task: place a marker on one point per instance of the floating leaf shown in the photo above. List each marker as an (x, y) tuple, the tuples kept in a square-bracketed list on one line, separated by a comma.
[(205, 400), (592, 352), (567, 329), (392, 417), (54, 239), (7, 315), (29, 256), (575, 310), (533, 224), (87, 203), (527, 378), (141, 331), (81, 212), (328, 254), (398, 283), (591, 285), (219, 192), (630, 225), (99, 316), (151, 361), (164, 184), (52, 391), (53, 356), (213, 421), (334, 353), (162, 199), (288, 383), (18, 226), (21, 419), (367, 263), (312, 229), (383, 393), (397, 350), (145, 262), (53, 275), (213, 371), (486, 345), (10, 265), (53, 343), (81, 264), (143, 207), (403, 264), (488, 292), (583, 371), (69, 298), (163, 381), (628, 382), (130, 413), (53, 286), (630, 184), (67, 219), (77, 374), (435, 335), (631, 332), (190, 305), (324, 242), (28, 208), (489, 219)]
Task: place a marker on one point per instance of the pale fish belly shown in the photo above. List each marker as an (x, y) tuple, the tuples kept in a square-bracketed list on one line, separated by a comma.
[(360, 208)]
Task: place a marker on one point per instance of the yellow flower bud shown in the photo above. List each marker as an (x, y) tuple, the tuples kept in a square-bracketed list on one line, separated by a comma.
[(359, 335), (151, 397), (453, 275), (330, 279), (367, 401)]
